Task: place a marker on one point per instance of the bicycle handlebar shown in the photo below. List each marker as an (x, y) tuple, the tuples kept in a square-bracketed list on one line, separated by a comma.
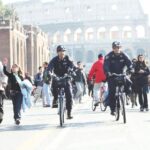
[(117, 75)]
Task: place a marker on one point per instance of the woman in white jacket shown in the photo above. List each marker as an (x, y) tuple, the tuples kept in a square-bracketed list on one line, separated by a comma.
[(3, 83)]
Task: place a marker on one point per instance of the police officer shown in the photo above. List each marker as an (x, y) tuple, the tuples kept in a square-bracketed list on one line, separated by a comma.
[(60, 65), (115, 62)]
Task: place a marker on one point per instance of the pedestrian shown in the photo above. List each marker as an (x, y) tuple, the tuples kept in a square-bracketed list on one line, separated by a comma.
[(15, 78), (90, 87), (46, 86), (28, 77), (80, 81), (133, 95), (38, 82), (142, 71), (3, 83)]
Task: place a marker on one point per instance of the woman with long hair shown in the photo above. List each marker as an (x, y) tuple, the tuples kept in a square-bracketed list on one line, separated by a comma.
[(15, 78), (142, 71)]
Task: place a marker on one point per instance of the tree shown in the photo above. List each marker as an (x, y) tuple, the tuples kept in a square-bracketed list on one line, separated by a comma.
[(7, 12)]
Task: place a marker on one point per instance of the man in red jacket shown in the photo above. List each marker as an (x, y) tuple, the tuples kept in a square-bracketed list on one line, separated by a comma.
[(97, 71)]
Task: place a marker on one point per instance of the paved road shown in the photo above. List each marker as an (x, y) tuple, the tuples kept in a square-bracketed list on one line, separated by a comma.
[(88, 130)]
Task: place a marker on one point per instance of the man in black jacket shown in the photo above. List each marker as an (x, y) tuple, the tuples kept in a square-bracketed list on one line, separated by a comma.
[(115, 62), (60, 65)]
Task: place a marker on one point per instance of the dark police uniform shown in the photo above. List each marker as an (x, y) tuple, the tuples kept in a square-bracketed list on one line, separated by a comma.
[(115, 63), (60, 68)]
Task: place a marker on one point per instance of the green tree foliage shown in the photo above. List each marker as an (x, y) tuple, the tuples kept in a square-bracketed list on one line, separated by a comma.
[(5, 11)]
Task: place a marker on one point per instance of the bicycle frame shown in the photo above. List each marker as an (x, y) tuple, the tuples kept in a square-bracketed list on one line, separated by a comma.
[(120, 102)]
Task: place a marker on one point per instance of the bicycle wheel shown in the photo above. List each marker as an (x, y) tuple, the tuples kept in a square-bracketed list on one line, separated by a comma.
[(61, 112), (93, 105), (123, 109), (117, 110), (103, 107)]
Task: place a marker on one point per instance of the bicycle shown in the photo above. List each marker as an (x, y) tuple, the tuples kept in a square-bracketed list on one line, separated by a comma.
[(102, 104), (61, 83), (120, 81)]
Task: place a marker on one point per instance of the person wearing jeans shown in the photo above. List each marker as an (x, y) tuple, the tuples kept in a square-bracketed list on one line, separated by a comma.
[(80, 81), (15, 90), (97, 71), (142, 71), (46, 87)]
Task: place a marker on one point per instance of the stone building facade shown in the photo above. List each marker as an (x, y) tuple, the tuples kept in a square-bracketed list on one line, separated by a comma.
[(37, 48), (26, 45), (13, 43), (89, 27)]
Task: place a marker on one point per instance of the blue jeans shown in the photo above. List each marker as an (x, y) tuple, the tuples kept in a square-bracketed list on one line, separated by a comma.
[(17, 102), (46, 94)]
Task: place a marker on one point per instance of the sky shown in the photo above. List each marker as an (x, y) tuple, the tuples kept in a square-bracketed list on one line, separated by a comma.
[(145, 4)]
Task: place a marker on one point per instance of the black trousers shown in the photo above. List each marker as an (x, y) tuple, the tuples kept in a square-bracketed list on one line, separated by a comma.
[(1, 101), (111, 94), (17, 99), (68, 95), (142, 94)]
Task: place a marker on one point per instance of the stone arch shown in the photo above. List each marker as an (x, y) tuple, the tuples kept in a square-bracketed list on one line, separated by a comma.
[(101, 33), (114, 32), (127, 32), (89, 34), (67, 35), (140, 30), (57, 37), (78, 35)]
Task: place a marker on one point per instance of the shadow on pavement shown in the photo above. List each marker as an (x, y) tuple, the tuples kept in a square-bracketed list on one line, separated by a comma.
[(27, 127)]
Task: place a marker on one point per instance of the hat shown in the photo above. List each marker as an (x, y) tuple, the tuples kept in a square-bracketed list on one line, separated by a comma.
[(116, 44), (60, 48)]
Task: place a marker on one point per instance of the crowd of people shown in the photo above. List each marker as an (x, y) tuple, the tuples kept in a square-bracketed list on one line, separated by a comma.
[(21, 87)]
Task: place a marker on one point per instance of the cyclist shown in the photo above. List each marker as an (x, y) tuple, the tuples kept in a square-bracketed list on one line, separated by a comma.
[(97, 71), (60, 66), (115, 62)]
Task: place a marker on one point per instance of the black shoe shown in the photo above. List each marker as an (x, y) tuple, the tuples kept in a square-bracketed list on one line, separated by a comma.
[(69, 117), (48, 106), (136, 104), (96, 104), (113, 113), (55, 106), (141, 109), (17, 121), (147, 109), (69, 114)]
